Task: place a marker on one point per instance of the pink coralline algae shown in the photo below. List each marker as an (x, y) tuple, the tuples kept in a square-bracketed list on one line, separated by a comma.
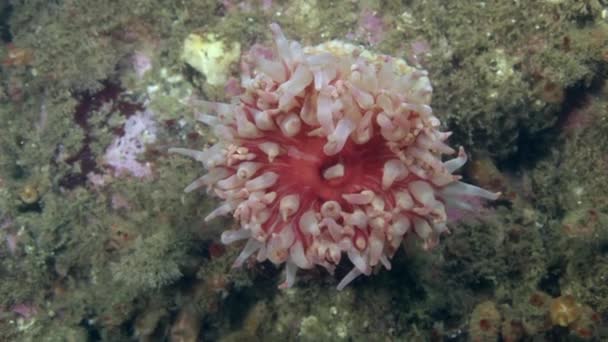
[(124, 152), (371, 26), (24, 310), (142, 63), (330, 151)]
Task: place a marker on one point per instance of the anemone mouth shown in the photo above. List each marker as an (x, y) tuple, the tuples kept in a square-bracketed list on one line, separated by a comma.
[(334, 171)]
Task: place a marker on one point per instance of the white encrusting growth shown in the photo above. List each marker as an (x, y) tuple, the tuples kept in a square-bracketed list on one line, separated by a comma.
[(347, 96)]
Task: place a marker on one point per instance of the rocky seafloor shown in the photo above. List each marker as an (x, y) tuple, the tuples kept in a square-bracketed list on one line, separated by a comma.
[(100, 243)]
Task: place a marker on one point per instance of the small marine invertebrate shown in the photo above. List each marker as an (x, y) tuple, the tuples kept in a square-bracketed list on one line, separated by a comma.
[(331, 150), (29, 194), (485, 322), (567, 311), (17, 56), (564, 310)]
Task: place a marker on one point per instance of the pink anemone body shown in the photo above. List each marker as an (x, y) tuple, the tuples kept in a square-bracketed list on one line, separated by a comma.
[(329, 151)]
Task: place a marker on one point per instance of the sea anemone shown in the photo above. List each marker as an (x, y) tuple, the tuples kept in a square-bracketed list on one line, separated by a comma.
[(330, 150)]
